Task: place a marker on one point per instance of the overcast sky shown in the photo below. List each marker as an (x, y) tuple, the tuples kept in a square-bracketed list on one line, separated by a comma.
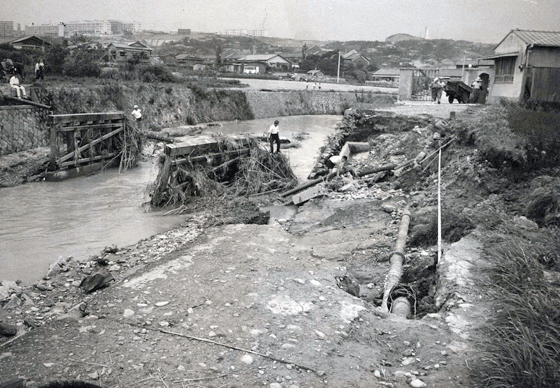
[(485, 21)]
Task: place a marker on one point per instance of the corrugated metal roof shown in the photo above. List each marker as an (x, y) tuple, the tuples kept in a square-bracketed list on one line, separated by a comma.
[(539, 38)]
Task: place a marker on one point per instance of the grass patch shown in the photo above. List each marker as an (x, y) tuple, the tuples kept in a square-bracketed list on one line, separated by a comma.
[(508, 135), (543, 203), (521, 345)]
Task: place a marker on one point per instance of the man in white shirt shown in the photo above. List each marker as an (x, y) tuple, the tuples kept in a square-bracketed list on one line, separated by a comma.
[(14, 83), (274, 136), (39, 70), (137, 114)]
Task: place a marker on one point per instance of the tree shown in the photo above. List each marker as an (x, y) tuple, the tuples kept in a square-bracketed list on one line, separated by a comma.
[(56, 55)]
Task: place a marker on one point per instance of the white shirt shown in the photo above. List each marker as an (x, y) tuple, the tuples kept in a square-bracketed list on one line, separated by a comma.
[(14, 81), (137, 113), (273, 129)]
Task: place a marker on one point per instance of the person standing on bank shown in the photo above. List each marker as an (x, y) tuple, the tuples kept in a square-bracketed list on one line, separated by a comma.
[(137, 114), (274, 136), (39, 70)]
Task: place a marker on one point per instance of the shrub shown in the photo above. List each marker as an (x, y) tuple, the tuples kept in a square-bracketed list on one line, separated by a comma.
[(154, 73), (543, 203)]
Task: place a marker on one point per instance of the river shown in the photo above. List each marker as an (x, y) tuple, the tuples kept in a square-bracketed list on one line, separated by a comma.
[(43, 221)]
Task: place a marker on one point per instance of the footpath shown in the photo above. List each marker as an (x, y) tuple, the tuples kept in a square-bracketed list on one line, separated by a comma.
[(251, 306)]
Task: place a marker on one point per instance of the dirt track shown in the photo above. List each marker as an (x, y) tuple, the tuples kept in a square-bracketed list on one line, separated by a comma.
[(267, 289)]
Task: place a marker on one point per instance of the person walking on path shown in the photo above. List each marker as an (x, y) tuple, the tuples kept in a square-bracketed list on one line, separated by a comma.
[(274, 136), (437, 90), (14, 83)]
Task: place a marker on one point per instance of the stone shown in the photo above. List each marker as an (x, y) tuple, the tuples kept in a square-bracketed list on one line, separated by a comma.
[(128, 313), (11, 285), (58, 267), (408, 361), (75, 312), (417, 383), (14, 302), (275, 385), (7, 330), (161, 304), (247, 359), (4, 292)]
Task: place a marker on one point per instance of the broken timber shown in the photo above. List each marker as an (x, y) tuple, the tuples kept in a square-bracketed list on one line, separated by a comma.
[(85, 142), (202, 150), (28, 102)]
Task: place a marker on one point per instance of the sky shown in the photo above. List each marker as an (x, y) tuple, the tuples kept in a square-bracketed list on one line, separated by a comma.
[(486, 21)]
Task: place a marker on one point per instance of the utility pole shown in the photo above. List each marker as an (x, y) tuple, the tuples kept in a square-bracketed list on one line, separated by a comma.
[(338, 71), (463, 71)]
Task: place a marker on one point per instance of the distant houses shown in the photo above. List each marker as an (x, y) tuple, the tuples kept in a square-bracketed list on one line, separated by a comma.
[(256, 63), (386, 74), (29, 42), (356, 58), (120, 52)]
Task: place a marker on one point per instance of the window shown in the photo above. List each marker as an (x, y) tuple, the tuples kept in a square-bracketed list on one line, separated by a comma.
[(505, 68)]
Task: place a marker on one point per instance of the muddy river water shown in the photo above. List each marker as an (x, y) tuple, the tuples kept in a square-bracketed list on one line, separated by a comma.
[(43, 221)]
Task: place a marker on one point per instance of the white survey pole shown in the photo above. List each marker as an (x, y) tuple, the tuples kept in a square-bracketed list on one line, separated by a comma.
[(439, 207), (338, 71)]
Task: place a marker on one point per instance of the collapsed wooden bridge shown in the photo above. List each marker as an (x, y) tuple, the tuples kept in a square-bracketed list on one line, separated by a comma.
[(231, 166), (86, 142)]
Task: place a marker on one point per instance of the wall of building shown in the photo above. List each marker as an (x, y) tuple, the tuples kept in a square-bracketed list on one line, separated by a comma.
[(544, 57), (512, 90), (22, 128)]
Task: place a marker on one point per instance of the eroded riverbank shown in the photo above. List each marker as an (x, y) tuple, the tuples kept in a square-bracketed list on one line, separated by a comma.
[(275, 305)]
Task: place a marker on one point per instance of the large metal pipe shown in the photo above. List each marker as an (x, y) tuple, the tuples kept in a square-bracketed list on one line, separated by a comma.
[(397, 259)]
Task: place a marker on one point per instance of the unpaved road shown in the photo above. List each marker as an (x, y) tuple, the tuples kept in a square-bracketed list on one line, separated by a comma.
[(299, 85)]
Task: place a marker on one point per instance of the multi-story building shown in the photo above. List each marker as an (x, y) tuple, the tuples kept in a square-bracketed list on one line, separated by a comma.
[(133, 27), (85, 27), (117, 27), (88, 27), (45, 30), (7, 29)]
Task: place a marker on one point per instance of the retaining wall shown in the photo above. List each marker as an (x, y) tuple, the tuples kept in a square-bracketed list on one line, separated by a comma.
[(22, 128), (170, 105), (291, 103)]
